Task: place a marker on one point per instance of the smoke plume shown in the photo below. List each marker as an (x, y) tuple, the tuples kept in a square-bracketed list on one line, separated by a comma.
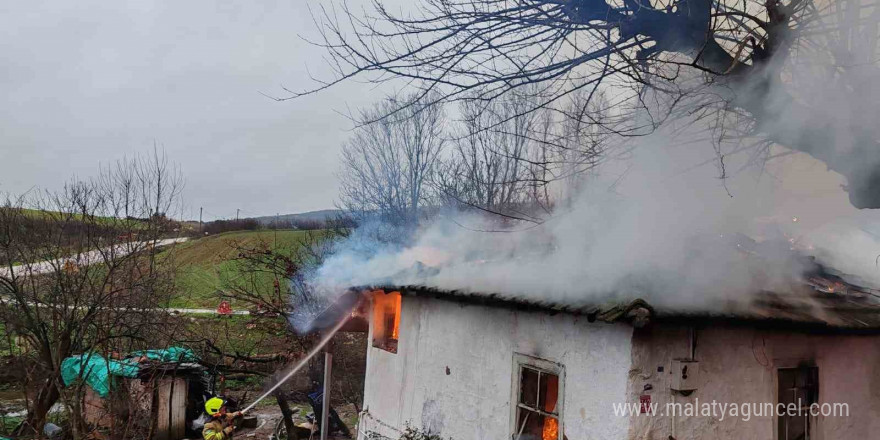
[(680, 221), (664, 230)]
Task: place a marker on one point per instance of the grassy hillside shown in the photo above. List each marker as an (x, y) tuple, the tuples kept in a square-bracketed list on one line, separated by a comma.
[(56, 215), (204, 262)]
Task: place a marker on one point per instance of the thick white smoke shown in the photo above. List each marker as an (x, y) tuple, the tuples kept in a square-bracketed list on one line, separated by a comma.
[(660, 224), (667, 231)]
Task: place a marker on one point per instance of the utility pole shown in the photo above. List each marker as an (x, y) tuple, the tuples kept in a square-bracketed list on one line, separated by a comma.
[(200, 220), (276, 231), (236, 214), (325, 401)]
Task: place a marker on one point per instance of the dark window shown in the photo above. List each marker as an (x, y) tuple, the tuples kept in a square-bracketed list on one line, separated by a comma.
[(800, 387), (537, 415)]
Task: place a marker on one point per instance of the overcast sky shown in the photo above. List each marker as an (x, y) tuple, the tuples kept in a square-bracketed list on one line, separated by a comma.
[(86, 82)]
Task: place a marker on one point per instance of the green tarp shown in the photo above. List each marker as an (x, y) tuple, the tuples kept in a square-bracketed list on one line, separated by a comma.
[(170, 354), (98, 372)]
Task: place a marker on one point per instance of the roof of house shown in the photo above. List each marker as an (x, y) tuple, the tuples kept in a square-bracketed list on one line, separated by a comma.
[(608, 312), (823, 302)]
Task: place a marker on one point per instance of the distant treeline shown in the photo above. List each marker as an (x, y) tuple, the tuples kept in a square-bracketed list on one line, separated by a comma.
[(219, 226), (251, 224)]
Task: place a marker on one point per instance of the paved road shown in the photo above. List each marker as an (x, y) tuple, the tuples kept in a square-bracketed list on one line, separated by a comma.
[(96, 257), (203, 311), (85, 259), (172, 310)]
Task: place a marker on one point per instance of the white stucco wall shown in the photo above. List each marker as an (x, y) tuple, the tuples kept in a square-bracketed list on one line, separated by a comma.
[(453, 371), (739, 365)]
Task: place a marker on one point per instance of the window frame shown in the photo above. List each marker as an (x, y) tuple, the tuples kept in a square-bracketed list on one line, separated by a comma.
[(384, 341), (809, 369), (542, 365)]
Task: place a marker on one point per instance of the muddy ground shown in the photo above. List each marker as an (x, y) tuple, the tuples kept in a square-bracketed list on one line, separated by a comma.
[(268, 416)]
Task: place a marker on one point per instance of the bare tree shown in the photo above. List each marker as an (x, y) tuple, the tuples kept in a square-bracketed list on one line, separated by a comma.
[(512, 161), (729, 63), (388, 163), (489, 168), (271, 280), (83, 271), (141, 187)]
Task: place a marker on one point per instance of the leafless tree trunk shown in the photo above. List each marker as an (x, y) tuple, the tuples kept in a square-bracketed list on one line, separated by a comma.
[(286, 415)]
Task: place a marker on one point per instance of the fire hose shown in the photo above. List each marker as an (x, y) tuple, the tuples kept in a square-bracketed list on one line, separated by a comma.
[(298, 366)]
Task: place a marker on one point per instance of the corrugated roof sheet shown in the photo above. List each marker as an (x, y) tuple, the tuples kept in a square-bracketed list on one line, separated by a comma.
[(824, 301), (608, 312)]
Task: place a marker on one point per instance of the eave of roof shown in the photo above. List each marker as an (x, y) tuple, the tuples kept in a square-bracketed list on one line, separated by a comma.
[(608, 312), (810, 308)]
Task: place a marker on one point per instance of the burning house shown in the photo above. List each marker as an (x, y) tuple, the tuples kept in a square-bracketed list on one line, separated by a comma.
[(470, 365)]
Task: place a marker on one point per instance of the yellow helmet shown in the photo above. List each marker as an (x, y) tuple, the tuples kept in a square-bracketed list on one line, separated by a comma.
[(213, 405)]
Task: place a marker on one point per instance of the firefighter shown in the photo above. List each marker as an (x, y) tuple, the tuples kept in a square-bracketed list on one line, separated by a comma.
[(221, 425)]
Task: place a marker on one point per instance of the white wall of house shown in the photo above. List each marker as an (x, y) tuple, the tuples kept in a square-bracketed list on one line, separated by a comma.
[(740, 365), (453, 372)]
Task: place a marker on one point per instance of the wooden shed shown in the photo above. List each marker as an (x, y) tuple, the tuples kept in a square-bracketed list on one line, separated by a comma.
[(169, 408), (172, 393)]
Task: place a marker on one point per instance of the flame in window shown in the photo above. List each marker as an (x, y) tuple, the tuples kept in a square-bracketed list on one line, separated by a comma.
[(386, 320), (551, 429), (395, 328)]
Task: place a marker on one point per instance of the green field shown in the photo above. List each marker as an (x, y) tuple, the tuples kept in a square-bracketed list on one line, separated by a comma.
[(56, 215), (205, 262)]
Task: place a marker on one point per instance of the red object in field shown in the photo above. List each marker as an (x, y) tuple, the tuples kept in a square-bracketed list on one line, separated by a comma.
[(224, 308)]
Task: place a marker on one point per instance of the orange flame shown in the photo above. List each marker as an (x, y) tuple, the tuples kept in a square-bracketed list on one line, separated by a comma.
[(396, 330), (551, 429)]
